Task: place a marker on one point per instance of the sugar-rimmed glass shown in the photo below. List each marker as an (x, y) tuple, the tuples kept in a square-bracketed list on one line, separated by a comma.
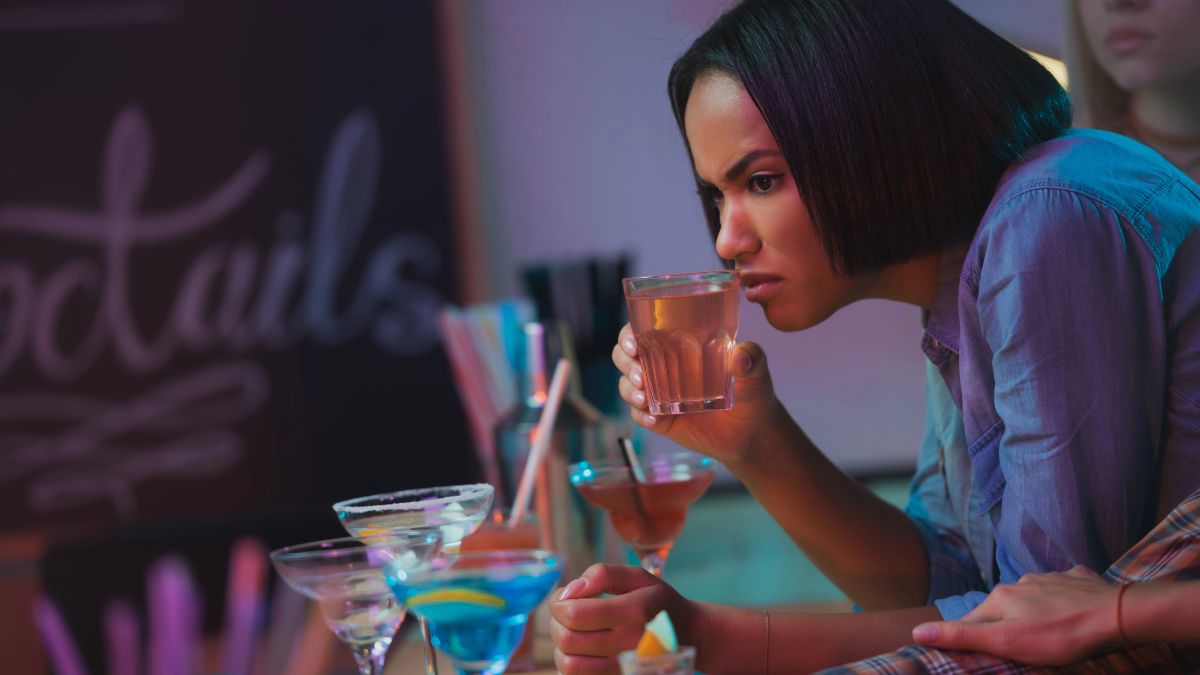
[(454, 511)]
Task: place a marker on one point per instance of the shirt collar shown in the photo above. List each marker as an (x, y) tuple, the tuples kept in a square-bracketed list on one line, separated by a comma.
[(941, 325)]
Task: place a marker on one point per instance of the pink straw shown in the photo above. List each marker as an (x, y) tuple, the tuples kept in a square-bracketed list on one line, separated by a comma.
[(468, 371), (174, 614), (124, 643), (541, 440), (243, 605), (61, 648)]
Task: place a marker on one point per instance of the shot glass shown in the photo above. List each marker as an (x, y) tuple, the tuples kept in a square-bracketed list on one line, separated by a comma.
[(682, 662), (685, 326)]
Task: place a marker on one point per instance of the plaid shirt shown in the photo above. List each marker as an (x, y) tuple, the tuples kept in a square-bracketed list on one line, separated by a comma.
[(1171, 551)]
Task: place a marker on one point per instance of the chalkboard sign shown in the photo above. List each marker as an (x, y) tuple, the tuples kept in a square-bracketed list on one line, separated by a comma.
[(224, 237)]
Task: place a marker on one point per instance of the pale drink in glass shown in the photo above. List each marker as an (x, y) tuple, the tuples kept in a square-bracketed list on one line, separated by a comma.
[(685, 326)]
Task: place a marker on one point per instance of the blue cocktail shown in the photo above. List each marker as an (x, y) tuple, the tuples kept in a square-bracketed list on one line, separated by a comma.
[(477, 604)]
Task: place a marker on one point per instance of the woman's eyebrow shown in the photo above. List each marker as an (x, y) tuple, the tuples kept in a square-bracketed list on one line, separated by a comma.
[(740, 166)]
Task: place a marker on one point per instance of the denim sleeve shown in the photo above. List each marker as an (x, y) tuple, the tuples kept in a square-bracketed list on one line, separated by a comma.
[(1069, 304), (931, 500)]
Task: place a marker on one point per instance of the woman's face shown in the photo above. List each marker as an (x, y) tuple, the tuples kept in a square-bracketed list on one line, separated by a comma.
[(1144, 43), (765, 226)]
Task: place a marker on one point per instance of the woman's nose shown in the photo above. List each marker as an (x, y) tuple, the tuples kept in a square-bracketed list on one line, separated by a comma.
[(736, 237)]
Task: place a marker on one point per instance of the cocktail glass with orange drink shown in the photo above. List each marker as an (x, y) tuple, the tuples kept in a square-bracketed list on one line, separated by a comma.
[(648, 515)]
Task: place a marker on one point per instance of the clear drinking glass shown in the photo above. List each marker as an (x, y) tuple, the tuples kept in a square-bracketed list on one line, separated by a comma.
[(682, 662), (476, 604), (685, 326), (646, 515), (453, 511), (347, 580)]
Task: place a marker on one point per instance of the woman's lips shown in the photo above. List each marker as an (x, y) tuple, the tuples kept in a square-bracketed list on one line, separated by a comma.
[(759, 287), (1122, 41)]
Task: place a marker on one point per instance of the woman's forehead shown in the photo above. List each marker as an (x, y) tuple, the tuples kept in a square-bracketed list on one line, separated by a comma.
[(721, 120)]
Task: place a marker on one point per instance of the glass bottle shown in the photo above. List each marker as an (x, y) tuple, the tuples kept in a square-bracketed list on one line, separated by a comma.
[(568, 524)]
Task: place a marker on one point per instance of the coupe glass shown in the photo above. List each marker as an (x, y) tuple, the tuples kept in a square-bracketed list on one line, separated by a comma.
[(453, 511), (477, 604), (347, 580), (646, 515)]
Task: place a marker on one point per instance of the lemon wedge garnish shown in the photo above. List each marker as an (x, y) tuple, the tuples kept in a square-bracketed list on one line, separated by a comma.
[(649, 646), (658, 638), (464, 595), (372, 532)]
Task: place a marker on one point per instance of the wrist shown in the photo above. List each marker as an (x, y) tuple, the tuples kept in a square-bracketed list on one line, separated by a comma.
[(698, 632), (1122, 635), (767, 436), (730, 640), (1161, 611), (1102, 630)]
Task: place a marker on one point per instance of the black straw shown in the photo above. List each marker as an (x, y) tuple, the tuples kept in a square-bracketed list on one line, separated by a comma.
[(631, 462), (636, 475)]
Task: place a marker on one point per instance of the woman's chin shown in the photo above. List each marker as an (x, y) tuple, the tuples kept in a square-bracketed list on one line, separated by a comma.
[(796, 319)]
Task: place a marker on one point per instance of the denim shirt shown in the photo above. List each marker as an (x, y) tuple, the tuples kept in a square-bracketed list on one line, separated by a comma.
[(1063, 375)]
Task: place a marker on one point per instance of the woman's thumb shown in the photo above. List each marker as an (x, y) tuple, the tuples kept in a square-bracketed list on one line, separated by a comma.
[(749, 360)]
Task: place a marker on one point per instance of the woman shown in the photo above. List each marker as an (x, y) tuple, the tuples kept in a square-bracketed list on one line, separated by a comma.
[(851, 149), (1135, 70)]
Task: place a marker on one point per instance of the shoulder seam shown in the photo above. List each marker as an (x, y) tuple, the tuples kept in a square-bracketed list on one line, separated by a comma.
[(1133, 214), (1048, 185)]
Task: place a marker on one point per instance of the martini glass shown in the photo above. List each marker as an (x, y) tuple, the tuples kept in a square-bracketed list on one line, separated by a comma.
[(346, 578), (647, 515), (477, 604), (454, 512)]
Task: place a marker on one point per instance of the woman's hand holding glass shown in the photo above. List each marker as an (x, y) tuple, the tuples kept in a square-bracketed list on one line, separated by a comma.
[(590, 630), (725, 435)]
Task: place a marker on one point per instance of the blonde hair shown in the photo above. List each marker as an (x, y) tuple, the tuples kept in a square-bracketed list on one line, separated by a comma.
[(1098, 101)]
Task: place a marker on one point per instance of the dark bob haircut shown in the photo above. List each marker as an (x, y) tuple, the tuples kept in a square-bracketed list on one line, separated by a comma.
[(896, 117)]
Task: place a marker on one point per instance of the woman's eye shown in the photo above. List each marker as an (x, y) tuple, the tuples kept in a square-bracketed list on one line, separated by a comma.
[(763, 182)]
